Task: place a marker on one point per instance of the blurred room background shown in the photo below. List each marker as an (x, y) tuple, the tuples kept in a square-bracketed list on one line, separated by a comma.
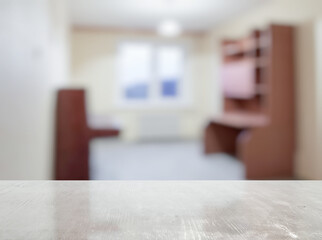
[(153, 74)]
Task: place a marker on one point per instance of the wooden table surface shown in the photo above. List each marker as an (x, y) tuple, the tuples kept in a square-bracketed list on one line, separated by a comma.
[(160, 210)]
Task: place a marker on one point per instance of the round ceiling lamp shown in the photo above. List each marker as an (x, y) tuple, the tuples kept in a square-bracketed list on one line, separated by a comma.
[(169, 28)]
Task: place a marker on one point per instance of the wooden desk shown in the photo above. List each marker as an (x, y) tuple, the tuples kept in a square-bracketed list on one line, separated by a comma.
[(161, 210), (265, 147), (241, 120), (223, 132)]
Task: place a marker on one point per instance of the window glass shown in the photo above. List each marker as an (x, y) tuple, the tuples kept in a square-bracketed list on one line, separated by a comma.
[(170, 69), (135, 62), (150, 71)]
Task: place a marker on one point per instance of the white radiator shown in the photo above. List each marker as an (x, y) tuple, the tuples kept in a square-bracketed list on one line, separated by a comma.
[(158, 127)]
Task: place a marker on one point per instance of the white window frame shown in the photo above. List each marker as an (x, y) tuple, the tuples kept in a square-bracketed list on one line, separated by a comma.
[(184, 100)]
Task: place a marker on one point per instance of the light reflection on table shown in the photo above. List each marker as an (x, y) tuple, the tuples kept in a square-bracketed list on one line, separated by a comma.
[(160, 210)]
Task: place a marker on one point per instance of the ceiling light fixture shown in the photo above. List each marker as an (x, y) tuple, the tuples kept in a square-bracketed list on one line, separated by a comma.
[(169, 28)]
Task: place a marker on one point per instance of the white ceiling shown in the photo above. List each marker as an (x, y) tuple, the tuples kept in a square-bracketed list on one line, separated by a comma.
[(194, 15)]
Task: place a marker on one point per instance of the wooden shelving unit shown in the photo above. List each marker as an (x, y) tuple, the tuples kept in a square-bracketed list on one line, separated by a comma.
[(244, 72), (257, 125)]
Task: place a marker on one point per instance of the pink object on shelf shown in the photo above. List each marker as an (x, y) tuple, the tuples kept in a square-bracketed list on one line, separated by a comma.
[(239, 79)]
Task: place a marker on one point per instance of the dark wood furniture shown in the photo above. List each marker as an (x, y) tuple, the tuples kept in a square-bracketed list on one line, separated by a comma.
[(257, 125), (73, 135)]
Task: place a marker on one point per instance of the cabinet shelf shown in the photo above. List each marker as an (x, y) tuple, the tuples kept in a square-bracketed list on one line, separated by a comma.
[(246, 46)]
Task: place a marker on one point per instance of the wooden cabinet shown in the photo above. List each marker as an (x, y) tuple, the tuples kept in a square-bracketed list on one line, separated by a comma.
[(257, 125)]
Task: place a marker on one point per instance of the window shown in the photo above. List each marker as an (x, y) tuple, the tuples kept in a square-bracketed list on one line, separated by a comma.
[(151, 73)]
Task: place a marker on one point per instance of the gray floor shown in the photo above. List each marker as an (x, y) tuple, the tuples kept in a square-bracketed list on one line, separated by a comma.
[(179, 160)]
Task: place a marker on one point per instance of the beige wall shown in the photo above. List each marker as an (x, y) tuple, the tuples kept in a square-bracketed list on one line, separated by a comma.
[(33, 60), (306, 101), (318, 94), (94, 67), (303, 14)]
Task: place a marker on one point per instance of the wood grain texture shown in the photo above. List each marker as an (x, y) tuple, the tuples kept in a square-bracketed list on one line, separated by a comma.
[(161, 210)]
